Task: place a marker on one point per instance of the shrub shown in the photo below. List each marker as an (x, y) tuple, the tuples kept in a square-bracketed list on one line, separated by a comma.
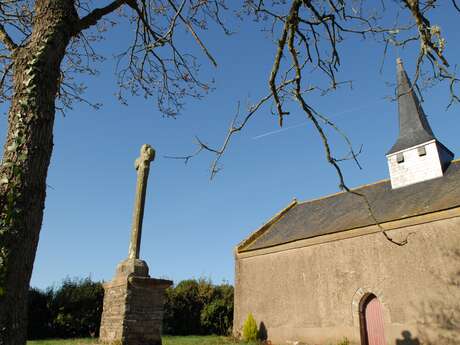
[(72, 310), (217, 316), (250, 329), (39, 325), (77, 308), (198, 307), (183, 307)]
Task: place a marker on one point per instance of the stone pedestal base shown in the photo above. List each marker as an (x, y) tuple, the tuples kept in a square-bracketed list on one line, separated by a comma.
[(133, 306)]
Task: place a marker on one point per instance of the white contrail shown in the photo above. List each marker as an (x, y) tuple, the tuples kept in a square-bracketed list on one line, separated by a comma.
[(305, 123), (279, 130)]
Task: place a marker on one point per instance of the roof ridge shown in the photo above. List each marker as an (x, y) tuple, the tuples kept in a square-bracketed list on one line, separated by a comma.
[(336, 213), (342, 192), (455, 161)]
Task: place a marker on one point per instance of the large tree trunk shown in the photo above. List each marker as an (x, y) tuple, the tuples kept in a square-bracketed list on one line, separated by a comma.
[(26, 158)]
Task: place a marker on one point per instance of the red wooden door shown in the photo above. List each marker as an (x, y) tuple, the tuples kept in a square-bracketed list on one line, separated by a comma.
[(374, 322)]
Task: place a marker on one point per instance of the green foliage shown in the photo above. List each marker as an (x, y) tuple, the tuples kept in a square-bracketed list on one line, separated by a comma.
[(183, 307), (217, 316), (72, 310), (199, 340), (76, 341), (250, 331), (77, 308), (39, 325), (198, 307)]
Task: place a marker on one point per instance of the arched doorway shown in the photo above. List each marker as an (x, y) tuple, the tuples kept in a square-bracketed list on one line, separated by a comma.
[(371, 321)]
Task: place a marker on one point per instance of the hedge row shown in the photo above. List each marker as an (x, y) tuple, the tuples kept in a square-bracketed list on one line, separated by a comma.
[(198, 307), (74, 309)]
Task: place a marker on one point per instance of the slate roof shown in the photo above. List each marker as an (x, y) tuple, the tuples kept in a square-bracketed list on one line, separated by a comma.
[(346, 211), (414, 128)]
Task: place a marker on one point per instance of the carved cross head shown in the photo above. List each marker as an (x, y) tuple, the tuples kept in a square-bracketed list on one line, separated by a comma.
[(147, 155)]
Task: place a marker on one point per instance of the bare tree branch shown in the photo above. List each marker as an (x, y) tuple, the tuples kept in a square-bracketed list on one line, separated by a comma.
[(190, 28), (6, 39), (93, 17), (457, 7), (426, 32)]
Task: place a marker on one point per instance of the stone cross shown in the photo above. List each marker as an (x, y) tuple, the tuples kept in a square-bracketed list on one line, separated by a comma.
[(142, 165)]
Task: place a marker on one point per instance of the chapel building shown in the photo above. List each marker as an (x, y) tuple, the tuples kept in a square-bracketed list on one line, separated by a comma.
[(379, 265)]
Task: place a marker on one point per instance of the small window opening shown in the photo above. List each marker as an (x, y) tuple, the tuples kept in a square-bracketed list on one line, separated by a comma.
[(422, 151), (400, 158)]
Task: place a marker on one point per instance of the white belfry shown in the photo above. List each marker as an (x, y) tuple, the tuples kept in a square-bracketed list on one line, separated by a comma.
[(417, 155)]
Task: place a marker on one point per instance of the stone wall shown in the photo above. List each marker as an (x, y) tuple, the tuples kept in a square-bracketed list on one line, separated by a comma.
[(115, 295), (311, 294), (133, 311)]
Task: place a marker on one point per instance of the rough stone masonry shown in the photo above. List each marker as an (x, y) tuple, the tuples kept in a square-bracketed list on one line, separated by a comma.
[(133, 302)]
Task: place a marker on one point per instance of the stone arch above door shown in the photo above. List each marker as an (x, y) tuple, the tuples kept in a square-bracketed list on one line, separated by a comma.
[(358, 297)]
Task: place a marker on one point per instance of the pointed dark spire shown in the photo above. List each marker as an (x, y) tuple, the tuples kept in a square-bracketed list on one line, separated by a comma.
[(414, 128)]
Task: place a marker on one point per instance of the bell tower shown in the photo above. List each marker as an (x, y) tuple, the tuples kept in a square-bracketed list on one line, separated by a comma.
[(417, 155)]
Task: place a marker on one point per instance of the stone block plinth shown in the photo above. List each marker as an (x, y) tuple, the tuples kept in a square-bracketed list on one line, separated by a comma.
[(133, 307)]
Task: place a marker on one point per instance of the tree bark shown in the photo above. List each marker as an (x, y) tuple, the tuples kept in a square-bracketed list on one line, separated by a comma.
[(26, 157)]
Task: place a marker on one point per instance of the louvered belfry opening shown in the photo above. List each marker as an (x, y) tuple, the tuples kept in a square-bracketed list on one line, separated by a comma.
[(371, 321)]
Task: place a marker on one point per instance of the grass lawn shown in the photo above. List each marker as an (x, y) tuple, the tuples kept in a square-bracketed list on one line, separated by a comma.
[(80, 341), (167, 340), (200, 340)]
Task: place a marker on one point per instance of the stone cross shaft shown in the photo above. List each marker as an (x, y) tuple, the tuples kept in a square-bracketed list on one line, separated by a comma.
[(142, 165)]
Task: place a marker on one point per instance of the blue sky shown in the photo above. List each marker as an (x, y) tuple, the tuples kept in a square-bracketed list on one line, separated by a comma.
[(192, 224)]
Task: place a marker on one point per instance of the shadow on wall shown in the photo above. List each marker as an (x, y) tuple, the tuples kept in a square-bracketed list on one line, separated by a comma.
[(262, 334), (440, 322), (407, 339)]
